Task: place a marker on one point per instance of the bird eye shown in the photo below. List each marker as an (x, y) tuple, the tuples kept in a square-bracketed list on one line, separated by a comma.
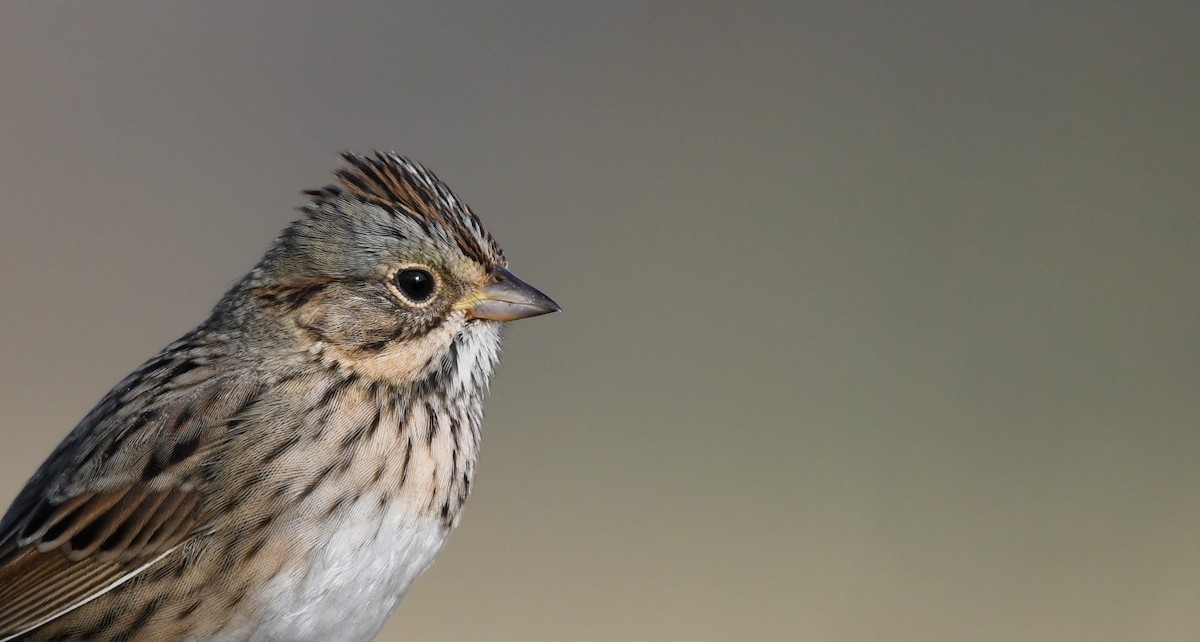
[(416, 284)]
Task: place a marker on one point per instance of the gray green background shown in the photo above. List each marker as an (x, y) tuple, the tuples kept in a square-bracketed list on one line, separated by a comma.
[(881, 319)]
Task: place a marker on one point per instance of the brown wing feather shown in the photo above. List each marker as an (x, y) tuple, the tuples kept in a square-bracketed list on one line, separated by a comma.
[(38, 587), (122, 491)]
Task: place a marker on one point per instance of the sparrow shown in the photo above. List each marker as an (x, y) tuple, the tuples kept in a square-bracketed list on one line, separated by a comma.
[(288, 468)]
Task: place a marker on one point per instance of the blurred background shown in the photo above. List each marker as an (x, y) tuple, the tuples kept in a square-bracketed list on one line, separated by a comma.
[(881, 318)]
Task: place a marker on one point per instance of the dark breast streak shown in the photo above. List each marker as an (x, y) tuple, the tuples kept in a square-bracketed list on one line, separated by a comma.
[(304, 453)]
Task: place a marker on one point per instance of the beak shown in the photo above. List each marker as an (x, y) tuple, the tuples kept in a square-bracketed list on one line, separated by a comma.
[(507, 298)]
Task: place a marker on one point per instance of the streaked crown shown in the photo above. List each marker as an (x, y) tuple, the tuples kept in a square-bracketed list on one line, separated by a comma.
[(405, 188)]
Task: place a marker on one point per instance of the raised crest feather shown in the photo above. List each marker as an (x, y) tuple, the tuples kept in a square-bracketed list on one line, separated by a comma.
[(404, 187)]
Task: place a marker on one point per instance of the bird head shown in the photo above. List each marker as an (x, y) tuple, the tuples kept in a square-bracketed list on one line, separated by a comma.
[(387, 268)]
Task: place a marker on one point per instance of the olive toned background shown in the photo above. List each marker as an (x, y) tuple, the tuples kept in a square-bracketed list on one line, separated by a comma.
[(881, 319)]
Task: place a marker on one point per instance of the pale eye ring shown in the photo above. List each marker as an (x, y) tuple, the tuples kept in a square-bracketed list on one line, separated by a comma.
[(415, 284)]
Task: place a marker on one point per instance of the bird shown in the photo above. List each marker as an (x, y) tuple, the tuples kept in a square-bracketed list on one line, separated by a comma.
[(288, 468)]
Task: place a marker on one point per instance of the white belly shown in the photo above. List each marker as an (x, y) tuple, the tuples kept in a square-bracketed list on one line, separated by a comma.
[(355, 580)]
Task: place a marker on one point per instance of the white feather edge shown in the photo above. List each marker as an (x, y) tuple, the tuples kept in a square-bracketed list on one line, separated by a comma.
[(61, 612)]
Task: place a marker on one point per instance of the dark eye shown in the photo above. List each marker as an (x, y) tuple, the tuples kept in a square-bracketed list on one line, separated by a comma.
[(416, 284)]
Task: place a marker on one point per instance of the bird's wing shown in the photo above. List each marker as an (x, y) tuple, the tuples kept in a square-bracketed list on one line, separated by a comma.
[(119, 494)]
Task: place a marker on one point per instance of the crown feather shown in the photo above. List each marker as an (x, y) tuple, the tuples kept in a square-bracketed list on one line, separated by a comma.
[(405, 188)]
